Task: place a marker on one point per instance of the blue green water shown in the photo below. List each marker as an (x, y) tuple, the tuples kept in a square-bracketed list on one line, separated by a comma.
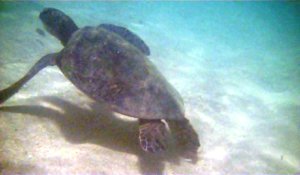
[(236, 65)]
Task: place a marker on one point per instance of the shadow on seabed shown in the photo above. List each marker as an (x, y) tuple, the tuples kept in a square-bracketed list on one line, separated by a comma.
[(100, 126)]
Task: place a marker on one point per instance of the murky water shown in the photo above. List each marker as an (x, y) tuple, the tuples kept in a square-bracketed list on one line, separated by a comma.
[(236, 65)]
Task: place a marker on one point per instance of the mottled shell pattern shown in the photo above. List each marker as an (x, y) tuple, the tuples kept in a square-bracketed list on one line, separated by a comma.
[(108, 68)]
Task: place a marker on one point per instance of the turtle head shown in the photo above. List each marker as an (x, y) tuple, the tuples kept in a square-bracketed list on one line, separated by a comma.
[(58, 24)]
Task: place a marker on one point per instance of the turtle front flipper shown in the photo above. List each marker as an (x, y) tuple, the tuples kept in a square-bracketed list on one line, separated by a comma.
[(187, 138), (152, 135), (128, 36), (45, 61)]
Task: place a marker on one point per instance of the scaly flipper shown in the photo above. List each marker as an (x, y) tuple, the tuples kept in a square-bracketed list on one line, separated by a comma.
[(45, 61), (187, 138), (152, 135), (128, 36)]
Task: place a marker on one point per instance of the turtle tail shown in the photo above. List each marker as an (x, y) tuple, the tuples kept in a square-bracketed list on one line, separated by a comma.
[(46, 60)]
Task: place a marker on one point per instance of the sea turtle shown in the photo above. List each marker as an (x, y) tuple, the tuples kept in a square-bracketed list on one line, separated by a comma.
[(109, 63)]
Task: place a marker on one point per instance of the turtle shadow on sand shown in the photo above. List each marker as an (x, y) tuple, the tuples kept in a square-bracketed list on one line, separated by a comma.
[(98, 126)]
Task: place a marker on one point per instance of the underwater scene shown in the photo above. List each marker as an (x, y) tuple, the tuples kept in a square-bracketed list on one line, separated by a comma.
[(149, 87)]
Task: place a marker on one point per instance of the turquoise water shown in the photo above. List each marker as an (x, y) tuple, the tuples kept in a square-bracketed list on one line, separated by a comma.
[(236, 65)]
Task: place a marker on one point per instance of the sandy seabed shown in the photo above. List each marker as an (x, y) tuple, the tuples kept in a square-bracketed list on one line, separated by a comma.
[(242, 99)]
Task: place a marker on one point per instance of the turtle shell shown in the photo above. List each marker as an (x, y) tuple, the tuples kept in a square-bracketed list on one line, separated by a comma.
[(108, 68)]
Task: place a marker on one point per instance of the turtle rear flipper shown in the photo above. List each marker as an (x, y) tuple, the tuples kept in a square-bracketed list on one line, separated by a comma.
[(152, 135), (128, 36), (45, 61), (187, 138)]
